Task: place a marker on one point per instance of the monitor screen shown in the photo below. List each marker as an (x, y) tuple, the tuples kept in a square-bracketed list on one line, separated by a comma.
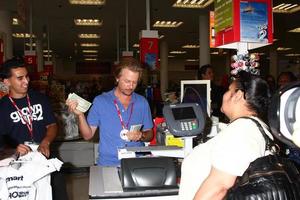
[(196, 91), (183, 113)]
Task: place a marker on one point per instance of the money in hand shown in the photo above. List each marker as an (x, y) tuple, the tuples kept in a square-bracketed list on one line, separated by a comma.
[(83, 105)]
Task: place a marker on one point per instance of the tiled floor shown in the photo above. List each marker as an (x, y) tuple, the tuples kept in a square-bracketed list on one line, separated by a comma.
[(77, 185)]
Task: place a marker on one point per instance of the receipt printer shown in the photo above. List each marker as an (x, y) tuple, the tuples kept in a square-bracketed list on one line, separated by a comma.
[(148, 173), (186, 119)]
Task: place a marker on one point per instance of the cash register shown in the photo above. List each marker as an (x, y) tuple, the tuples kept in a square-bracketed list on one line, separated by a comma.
[(150, 177)]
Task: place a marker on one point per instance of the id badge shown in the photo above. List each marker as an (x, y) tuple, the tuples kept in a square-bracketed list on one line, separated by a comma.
[(123, 134)]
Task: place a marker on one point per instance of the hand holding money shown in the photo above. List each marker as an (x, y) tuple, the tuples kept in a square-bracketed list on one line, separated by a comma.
[(76, 103)]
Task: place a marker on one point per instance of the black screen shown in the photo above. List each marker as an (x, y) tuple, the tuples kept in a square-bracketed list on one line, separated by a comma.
[(183, 113)]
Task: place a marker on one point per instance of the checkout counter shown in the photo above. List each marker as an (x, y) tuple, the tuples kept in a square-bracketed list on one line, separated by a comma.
[(150, 177)]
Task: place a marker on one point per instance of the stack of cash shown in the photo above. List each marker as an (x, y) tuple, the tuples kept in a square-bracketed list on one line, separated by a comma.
[(83, 105)]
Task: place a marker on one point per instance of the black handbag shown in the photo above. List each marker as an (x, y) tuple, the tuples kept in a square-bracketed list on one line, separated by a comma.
[(267, 178)]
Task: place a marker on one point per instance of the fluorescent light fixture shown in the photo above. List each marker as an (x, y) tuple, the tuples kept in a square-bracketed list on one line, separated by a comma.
[(286, 8), (22, 35), (136, 45), (89, 51), (88, 35), (88, 22), (177, 52), (215, 53), (283, 49), (167, 24), (28, 44), (89, 45), (192, 3), (170, 56), (295, 30), (87, 2), (46, 56), (161, 36), (15, 21), (190, 46), (46, 51), (192, 60), (90, 55), (292, 54), (90, 59)]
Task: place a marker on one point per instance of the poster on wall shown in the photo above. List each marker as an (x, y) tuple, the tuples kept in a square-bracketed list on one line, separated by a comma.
[(223, 15), (254, 21)]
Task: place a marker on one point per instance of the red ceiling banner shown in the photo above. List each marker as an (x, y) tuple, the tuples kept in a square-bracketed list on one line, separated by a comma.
[(149, 48)]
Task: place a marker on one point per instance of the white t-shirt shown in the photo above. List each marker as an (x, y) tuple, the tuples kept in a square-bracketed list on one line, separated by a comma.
[(231, 151), (29, 182)]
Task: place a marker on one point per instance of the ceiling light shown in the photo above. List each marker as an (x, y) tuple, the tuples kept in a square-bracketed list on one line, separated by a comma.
[(89, 45), (90, 59), (46, 51), (47, 56), (15, 21), (88, 22), (167, 24), (191, 46), (286, 8), (283, 49), (192, 60), (28, 44), (295, 30), (215, 53), (89, 36), (89, 51), (136, 46), (170, 56), (177, 52), (90, 55), (161, 36), (292, 54), (87, 2), (192, 3), (22, 35)]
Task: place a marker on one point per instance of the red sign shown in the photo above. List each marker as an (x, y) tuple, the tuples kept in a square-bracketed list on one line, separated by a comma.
[(31, 61), (149, 48), (248, 21), (48, 67), (1, 51)]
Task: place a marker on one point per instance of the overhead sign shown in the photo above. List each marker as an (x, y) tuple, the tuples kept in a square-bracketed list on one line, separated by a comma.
[(149, 48), (31, 61), (247, 23)]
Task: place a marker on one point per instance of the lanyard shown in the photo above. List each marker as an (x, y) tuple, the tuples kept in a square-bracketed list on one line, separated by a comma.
[(120, 116), (28, 120)]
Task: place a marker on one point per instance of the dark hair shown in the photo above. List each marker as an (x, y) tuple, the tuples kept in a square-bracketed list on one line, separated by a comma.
[(128, 63), (256, 92), (291, 76), (203, 70), (15, 62)]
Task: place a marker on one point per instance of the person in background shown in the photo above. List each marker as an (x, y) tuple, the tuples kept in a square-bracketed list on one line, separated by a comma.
[(26, 116), (271, 82), (206, 73), (114, 112), (212, 167), (285, 78)]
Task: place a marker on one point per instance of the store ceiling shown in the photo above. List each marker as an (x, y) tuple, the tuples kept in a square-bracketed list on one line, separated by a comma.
[(57, 17)]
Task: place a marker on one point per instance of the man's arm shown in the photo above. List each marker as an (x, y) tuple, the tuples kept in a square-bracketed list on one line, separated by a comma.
[(51, 133), (85, 129), (215, 186)]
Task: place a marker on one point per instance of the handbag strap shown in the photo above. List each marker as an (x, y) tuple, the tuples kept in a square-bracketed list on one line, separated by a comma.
[(270, 144)]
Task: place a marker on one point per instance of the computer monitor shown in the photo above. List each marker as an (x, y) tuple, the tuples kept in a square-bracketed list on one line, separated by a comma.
[(196, 91)]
